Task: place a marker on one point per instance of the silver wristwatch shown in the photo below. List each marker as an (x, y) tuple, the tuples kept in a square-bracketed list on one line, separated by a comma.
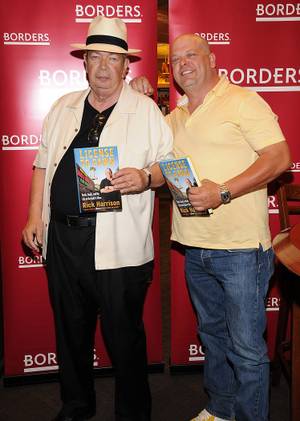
[(225, 194)]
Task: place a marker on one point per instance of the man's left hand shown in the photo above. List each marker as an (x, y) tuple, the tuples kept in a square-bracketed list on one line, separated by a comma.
[(206, 196), (130, 180), (141, 84)]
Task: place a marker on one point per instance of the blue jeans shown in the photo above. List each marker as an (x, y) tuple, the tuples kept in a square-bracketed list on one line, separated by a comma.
[(228, 289)]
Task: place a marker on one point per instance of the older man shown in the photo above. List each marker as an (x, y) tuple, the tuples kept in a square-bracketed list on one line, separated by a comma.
[(237, 147), (99, 263)]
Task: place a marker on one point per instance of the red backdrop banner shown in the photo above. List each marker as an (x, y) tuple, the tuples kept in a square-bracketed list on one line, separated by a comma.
[(256, 45), (37, 68)]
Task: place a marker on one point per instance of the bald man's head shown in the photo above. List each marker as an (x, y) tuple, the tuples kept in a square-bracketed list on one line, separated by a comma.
[(201, 42)]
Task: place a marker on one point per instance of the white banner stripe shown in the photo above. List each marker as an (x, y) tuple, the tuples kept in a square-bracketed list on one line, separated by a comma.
[(292, 170), (83, 20), (273, 211), (89, 20), (25, 43), (38, 265), (219, 42), (274, 88), (196, 358), (272, 309), (19, 148), (278, 19), (46, 368), (132, 20)]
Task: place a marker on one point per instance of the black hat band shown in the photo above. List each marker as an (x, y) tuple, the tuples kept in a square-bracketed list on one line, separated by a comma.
[(107, 39)]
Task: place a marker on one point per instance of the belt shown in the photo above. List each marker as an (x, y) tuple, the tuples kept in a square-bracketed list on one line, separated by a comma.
[(74, 220)]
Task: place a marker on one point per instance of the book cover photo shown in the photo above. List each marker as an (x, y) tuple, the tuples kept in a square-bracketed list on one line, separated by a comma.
[(94, 168), (180, 176)]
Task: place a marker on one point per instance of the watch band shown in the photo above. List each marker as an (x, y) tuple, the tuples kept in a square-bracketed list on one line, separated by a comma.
[(148, 173)]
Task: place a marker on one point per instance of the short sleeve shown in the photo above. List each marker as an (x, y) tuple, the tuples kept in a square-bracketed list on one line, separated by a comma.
[(258, 123)]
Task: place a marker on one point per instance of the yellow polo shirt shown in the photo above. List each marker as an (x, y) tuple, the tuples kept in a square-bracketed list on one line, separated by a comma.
[(221, 137)]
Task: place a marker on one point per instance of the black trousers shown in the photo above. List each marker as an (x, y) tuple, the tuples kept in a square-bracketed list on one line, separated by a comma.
[(79, 294)]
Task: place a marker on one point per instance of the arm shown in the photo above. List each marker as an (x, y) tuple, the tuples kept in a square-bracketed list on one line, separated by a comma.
[(272, 161), (33, 231), (157, 178), (133, 180)]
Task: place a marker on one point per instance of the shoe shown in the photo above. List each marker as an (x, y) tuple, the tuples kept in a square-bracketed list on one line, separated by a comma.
[(206, 416)]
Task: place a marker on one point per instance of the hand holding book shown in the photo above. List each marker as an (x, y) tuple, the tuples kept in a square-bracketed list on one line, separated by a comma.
[(130, 180), (182, 180), (206, 196)]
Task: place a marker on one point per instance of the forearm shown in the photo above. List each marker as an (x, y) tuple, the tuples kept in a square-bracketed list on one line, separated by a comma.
[(36, 193), (269, 165), (272, 161), (157, 178), (33, 230)]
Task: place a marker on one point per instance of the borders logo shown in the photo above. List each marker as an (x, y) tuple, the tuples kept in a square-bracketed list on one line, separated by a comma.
[(20, 142), (46, 362), (295, 167), (27, 262), (263, 79), (26, 38), (63, 78), (273, 304), (127, 12), (215, 38), (277, 12), (196, 353), (272, 204)]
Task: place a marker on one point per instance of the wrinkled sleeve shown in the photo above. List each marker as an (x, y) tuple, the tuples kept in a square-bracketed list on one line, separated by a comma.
[(162, 138), (258, 123), (41, 157)]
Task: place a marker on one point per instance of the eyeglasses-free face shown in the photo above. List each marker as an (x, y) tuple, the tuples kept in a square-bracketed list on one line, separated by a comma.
[(94, 133), (106, 72)]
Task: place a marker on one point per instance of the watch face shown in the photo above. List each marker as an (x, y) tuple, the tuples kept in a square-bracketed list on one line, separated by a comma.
[(225, 196)]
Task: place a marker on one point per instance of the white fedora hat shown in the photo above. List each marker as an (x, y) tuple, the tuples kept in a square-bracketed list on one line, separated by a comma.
[(106, 34)]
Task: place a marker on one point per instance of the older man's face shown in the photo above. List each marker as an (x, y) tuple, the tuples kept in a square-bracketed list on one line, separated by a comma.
[(106, 71)]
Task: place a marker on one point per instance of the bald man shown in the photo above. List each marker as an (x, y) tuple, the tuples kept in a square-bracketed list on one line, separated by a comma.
[(237, 147)]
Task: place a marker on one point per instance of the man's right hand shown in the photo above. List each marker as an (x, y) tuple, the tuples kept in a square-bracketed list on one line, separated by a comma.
[(33, 234), (142, 85)]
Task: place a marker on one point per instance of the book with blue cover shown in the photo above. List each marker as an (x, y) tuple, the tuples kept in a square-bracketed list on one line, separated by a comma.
[(94, 169), (180, 176)]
